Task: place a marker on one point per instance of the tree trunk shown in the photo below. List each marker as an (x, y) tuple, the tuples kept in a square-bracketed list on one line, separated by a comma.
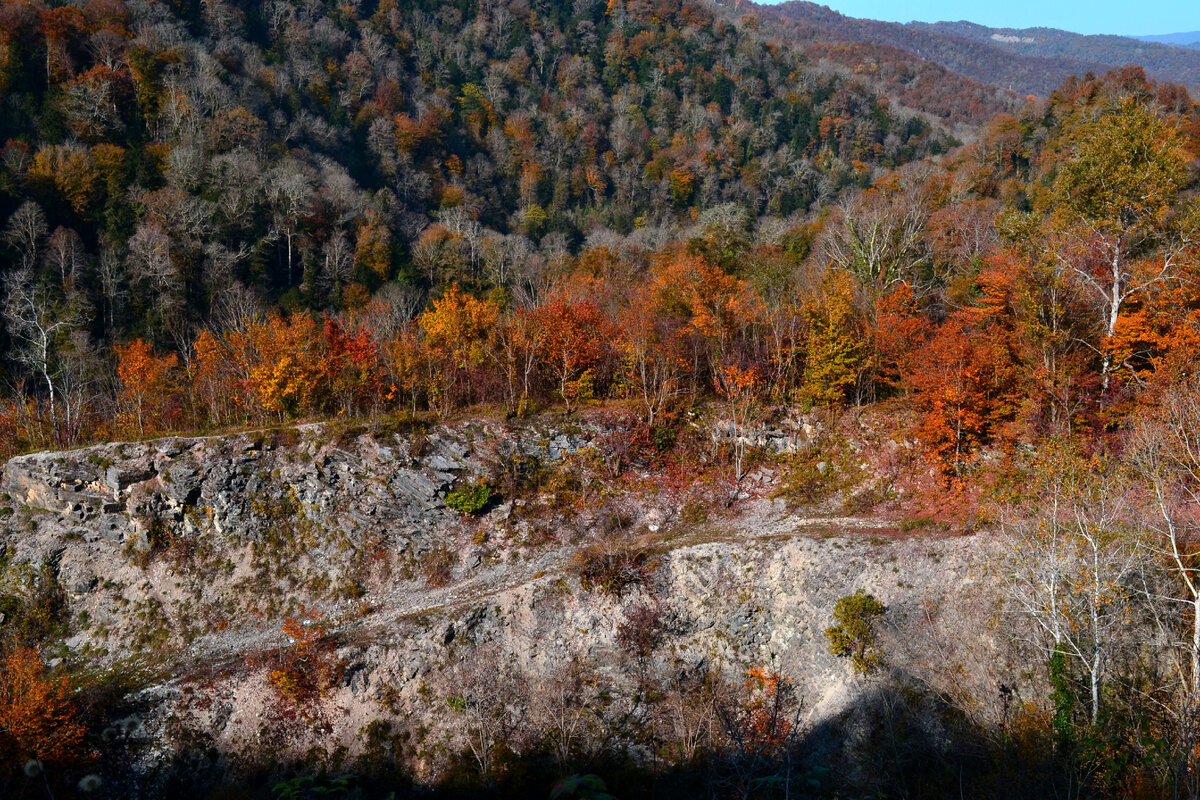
[(1114, 313)]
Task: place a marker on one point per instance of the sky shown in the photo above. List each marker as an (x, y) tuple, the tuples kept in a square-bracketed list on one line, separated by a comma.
[(1121, 17)]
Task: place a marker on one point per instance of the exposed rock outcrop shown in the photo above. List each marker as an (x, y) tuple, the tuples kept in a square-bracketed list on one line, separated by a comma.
[(183, 556)]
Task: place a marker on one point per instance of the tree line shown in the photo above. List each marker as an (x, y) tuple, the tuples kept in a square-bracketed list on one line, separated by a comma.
[(1039, 282)]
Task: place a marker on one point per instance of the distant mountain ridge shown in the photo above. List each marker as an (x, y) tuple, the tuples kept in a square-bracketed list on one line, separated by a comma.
[(1187, 39), (1028, 61), (1165, 61)]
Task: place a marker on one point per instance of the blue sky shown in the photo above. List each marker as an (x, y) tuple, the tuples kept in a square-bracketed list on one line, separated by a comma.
[(1082, 16)]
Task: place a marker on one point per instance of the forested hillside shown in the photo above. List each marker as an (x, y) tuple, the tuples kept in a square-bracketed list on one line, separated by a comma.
[(221, 215), (166, 166), (241, 215), (524, 292)]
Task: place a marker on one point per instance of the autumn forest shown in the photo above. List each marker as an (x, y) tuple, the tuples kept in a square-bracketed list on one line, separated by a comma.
[(220, 217)]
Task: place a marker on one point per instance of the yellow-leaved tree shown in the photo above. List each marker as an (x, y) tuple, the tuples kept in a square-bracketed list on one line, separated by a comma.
[(834, 343), (457, 333)]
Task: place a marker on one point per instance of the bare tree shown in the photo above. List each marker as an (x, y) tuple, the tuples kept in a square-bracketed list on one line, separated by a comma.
[(80, 368), (337, 268), (1073, 558), (65, 255), (561, 711), (878, 237), (289, 189), (459, 222), (186, 166), (236, 306), (108, 48), (24, 232), (503, 255), (111, 273), (488, 697), (91, 109), (1165, 450), (391, 308), (221, 264), (152, 269), (237, 176), (37, 322), (688, 715)]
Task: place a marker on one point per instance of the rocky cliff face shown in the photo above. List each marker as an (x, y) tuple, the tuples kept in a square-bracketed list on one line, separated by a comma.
[(180, 542), (178, 560)]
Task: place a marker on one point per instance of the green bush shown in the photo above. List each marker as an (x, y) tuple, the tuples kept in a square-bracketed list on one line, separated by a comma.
[(583, 787), (663, 437), (805, 482), (470, 498), (854, 636)]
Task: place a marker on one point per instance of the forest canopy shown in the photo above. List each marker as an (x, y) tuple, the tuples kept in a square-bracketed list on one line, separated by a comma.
[(221, 214)]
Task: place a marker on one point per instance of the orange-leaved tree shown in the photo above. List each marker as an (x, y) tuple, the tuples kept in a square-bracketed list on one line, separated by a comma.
[(520, 339), (307, 669), (409, 367), (718, 311), (214, 394), (653, 354), (146, 383), (765, 722), (898, 333), (574, 343), (1112, 228), (260, 369), (740, 386), (1049, 319), (38, 716), (281, 363), (967, 379), (760, 723), (962, 385), (373, 250)]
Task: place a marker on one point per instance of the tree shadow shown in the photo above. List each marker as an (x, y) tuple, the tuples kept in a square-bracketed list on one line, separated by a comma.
[(896, 741)]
